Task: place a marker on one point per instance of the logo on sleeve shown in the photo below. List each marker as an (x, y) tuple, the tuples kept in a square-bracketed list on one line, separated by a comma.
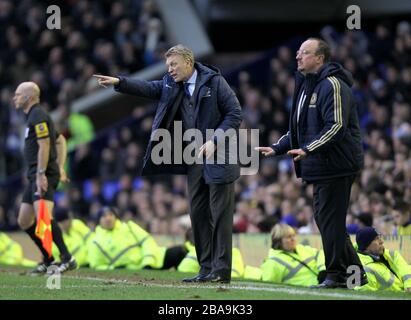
[(41, 130)]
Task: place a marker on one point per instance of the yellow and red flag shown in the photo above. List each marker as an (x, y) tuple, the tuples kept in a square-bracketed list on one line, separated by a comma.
[(43, 227)]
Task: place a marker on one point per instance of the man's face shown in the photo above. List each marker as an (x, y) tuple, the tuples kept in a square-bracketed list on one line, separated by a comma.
[(21, 99), (376, 247), (178, 68), (108, 220), (307, 60), (65, 225), (399, 218)]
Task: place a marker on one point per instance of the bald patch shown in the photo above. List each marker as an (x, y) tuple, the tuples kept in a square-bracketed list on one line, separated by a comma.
[(311, 44), (30, 89)]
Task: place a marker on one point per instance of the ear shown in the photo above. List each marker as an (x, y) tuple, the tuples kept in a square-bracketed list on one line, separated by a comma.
[(321, 58)]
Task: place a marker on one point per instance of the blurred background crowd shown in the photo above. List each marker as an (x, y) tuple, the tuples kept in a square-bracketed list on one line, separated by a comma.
[(114, 37)]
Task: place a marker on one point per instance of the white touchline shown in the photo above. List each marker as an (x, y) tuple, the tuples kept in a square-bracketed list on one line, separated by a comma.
[(242, 285), (251, 287)]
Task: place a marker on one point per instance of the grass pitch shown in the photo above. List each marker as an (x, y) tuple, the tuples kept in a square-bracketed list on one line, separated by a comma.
[(160, 285)]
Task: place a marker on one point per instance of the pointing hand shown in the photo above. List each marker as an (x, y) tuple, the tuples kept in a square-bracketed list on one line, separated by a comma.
[(104, 81)]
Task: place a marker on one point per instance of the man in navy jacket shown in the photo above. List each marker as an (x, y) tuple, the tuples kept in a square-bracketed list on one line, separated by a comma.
[(198, 96), (325, 142)]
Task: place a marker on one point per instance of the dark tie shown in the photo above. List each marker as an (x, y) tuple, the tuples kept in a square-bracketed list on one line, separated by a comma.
[(186, 91)]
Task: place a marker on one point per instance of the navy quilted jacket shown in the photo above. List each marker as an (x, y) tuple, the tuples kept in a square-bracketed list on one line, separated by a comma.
[(217, 107)]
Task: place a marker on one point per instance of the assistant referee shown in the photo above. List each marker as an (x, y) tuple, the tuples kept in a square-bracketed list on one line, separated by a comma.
[(45, 153)]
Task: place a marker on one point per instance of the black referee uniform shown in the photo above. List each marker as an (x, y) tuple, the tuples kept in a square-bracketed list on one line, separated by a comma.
[(40, 126)]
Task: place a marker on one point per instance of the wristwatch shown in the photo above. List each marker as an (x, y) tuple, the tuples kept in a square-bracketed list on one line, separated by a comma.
[(41, 171)]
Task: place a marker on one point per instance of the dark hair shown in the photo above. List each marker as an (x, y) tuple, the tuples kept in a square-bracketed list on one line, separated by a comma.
[(61, 214), (189, 235), (401, 206), (106, 209), (323, 49)]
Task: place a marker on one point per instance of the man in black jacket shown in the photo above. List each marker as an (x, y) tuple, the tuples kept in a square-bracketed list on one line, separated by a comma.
[(325, 142), (198, 96)]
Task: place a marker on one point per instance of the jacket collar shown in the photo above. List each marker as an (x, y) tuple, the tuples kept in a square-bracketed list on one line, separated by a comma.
[(193, 77)]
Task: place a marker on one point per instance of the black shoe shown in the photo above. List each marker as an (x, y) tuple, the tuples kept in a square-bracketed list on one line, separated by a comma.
[(217, 278), (198, 278), (41, 268), (364, 279), (330, 284), (66, 266)]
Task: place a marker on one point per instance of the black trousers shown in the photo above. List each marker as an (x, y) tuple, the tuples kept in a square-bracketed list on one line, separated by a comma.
[(331, 201), (211, 213)]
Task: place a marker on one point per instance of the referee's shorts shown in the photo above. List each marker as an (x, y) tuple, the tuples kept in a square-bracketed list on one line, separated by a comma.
[(30, 193)]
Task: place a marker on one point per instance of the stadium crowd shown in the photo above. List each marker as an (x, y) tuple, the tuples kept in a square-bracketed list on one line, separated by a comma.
[(115, 37), (105, 171)]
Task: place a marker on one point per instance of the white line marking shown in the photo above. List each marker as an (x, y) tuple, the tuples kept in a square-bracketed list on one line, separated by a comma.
[(236, 285), (247, 286)]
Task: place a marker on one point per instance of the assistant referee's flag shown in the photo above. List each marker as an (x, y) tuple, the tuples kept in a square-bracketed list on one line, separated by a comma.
[(43, 227)]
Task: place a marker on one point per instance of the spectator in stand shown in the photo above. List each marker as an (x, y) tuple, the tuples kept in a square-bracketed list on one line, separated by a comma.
[(381, 91), (401, 214)]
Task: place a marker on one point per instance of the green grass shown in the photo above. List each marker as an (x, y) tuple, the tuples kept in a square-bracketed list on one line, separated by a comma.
[(159, 285)]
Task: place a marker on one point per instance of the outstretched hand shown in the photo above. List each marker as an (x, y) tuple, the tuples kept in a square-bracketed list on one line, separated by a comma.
[(266, 151), (104, 81), (297, 154)]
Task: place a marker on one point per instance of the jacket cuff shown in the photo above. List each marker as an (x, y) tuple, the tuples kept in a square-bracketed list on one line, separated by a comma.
[(306, 150), (118, 85), (275, 149)]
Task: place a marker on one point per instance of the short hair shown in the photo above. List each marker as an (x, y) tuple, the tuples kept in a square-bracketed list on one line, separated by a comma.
[(402, 207), (323, 49), (183, 51), (277, 234), (106, 209)]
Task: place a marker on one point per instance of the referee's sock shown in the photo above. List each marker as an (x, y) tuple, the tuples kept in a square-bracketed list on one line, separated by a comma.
[(32, 233), (58, 240)]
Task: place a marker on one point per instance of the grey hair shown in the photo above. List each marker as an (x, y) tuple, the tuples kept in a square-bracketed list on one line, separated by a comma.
[(183, 51), (323, 49)]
